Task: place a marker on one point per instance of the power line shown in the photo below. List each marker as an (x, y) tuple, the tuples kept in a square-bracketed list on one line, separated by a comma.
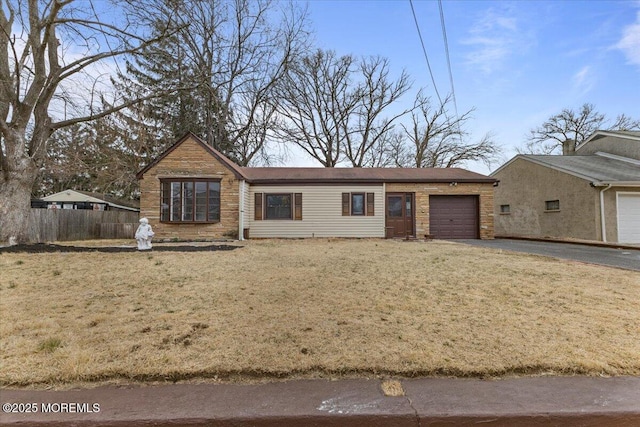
[(446, 49), (424, 51)]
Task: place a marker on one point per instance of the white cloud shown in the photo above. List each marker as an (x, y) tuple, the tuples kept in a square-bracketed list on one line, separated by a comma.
[(630, 41), (584, 80), (493, 38)]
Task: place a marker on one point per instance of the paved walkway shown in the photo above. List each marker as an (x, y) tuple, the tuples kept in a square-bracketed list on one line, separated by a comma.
[(566, 401)]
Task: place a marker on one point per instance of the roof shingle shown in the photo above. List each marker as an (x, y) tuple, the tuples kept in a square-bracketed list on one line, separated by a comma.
[(596, 167), (264, 175)]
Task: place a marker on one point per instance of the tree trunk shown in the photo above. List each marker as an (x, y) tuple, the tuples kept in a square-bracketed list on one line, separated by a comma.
[(15, 202)]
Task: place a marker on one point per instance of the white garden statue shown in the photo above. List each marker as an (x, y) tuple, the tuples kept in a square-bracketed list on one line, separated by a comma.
[(144, 233)]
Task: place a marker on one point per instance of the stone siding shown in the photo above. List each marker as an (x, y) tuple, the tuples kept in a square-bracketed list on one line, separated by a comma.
[(190, 160), (424, 190)]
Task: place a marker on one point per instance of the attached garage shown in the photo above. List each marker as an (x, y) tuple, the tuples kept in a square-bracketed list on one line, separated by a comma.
[(454, 217), (629, 217)]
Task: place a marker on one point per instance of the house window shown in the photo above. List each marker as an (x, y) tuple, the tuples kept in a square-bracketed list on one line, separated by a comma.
[(358, 204), (190, 200), (552, 205), (278, 206), (505, 209)]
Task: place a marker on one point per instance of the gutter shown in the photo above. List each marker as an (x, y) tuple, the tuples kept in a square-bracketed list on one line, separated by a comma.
[(241, 212), (603, 224)]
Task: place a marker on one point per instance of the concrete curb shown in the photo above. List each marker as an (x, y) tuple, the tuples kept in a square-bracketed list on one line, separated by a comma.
[(566, 401)]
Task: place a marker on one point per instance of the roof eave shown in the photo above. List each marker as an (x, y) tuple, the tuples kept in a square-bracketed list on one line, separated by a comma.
[(281, 181), (616, 183), (219, 156), (546, 165)]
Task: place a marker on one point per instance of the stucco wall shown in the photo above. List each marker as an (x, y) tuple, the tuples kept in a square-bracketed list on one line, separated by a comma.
[(619, 146), (422, 192), (190, 160), (525, 186)]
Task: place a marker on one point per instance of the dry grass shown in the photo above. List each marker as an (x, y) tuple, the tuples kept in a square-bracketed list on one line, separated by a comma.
[(282, 309)]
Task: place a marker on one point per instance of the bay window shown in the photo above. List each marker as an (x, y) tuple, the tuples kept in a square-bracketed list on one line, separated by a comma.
[(190, 200)]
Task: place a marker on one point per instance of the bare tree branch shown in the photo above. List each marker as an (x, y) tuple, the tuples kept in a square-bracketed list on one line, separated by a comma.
[(376, 92), (316, 102), (435, 140), (573, 127), (32, 73)]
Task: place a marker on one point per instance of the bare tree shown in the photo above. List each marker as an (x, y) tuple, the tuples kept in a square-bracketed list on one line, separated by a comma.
[(573, 127), (223, 62), (316, 101), (94, 156), (367, 127), (333, 106), (47, 49), (433, 139)]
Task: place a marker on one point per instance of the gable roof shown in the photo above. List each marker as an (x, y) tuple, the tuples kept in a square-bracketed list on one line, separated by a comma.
[(598, 168), (599, 134), (70, 195), (275, 175), (320, 175), (232, 166)]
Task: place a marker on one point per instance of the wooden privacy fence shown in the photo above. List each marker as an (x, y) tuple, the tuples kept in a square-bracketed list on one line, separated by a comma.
[(50, 225)]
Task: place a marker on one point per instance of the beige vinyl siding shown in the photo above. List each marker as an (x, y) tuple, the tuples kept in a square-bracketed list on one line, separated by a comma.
[(321, 213)]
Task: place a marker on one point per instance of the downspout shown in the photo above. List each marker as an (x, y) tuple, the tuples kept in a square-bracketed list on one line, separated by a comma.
[(241, 212), (603, 223)]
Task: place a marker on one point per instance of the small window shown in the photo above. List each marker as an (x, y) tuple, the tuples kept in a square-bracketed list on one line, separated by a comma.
[(278, 206), (552, 205), (505, 209), (357, 203)]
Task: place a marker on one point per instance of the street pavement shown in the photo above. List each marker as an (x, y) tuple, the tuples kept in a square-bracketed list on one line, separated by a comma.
[(626, 258), (537, 401)]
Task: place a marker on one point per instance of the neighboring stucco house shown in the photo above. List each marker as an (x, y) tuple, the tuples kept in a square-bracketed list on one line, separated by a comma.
[(592, 193), (77, 199), (192, 191)]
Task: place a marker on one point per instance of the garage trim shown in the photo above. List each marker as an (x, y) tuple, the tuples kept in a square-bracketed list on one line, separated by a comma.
[(631, 198)]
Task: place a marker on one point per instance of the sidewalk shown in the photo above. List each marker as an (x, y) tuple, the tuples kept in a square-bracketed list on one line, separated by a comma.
[(566, 401)]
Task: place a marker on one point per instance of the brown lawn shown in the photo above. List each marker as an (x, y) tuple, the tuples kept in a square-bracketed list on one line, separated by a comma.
[(312, 308)]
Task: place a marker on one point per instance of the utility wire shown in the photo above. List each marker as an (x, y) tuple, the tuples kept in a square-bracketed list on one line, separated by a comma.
[(446, 49), (424, 51)]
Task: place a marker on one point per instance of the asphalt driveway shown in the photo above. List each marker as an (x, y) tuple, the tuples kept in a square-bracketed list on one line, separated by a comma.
[(622, 258)]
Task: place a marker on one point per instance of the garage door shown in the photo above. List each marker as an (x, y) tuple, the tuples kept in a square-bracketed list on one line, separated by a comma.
[(629, 217), (453, 217)]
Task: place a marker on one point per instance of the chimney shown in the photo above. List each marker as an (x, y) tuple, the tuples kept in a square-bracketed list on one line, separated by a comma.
[(568, 147)]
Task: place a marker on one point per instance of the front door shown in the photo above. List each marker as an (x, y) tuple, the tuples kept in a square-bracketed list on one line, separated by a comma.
[(399, 219)]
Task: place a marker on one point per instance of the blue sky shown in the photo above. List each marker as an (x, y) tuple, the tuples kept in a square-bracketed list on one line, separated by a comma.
[(517, 63)]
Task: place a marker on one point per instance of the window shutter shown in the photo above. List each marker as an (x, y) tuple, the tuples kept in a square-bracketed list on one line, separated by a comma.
[(298, 207), (370, 207), (345, 204), (257, 211)]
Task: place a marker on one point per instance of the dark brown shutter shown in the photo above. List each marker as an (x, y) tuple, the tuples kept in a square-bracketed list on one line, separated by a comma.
[(370, 207), (298, 207), (258, 207), (345, 204)]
